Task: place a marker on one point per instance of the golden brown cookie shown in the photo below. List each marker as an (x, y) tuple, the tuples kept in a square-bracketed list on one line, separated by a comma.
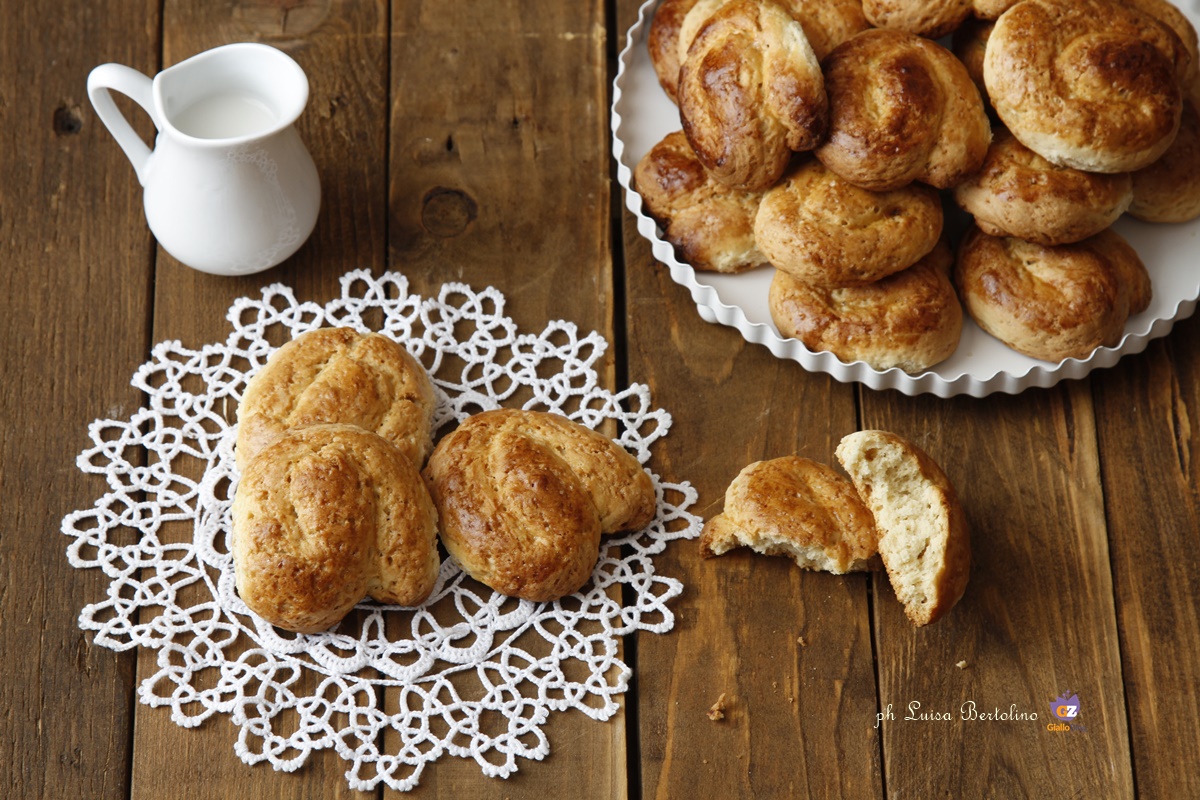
[(662, 42), (828, 23), (710, 224), (523, 497), (1169, 189), (326, 516), (930, 18), (1188, 63), (923, 536), (1089, 84), (902, 108), (339, 375), (969, 44), (910, 320), (794, 507), (751, 92), (1052, 303), (991, 9), (1019, 193), (823, 230)]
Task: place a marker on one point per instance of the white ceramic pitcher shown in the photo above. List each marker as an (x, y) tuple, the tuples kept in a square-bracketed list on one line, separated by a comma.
[(229, 187)]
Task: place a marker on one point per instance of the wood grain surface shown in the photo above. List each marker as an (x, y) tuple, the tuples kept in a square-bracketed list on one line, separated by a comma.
[(75, 273), (1146, 410), (1037, 619), (499, 177), (344, 127), (461, 141)]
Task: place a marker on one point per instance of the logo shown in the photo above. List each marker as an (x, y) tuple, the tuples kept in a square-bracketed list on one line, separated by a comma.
[(1064, 713), (1065, 706)]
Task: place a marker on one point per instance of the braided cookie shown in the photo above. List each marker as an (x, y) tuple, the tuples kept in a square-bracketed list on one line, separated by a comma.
[(825, 231), (826, 23), (339, 375), (1019, 193), (1188, 62), (325, 516), (663, 43), (1089, 84), (710, 224), (969, 43), (991, 9), (1169, 189), (902, 108), (929, 18), (910, 320), (523, 497), (751, 92), (795, 507), (1052, 303)]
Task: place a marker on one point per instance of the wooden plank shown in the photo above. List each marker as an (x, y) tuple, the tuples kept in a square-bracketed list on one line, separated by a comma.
[(790, 650), (342, 48), (1146, 409), (1038, 617), (76, 317), (800, 714), (499, 176)]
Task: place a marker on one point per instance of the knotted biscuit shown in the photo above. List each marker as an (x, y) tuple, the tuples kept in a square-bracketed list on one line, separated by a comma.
[(751, 92), (1169, 189), (1019, 193), (1052, 303), (923, 537), (663, 43), (826, 23), (902, 108), (969, 44), (910, 320), (523, 497), (339, 375), (1089, 84), (710, 224), (991, 9), (823, 230), (1188, 62), (325, 516), (929, 18), (794, 507)]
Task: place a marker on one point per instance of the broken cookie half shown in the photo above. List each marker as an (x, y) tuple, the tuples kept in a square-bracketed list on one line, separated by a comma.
[(795, 507), (898, 506), (923, 536)]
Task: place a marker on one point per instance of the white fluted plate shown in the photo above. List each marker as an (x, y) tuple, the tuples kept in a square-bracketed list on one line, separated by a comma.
[(642, 115)]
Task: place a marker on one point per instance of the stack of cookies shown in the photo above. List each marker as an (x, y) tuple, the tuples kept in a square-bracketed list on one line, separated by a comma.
[(333, 506), (820, 139)]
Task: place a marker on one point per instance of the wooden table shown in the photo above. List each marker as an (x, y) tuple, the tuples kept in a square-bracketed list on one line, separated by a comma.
[(469, 141)]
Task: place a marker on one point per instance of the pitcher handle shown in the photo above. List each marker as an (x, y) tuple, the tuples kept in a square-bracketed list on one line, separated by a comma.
[(135, 85)]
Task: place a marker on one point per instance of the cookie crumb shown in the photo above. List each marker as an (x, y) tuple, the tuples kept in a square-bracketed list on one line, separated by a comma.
[(717, 712), (800, 640), (961, 665)]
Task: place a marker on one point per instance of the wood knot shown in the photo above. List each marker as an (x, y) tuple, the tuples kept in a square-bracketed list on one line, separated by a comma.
[(272, 18), (447, 212), (67, 121)]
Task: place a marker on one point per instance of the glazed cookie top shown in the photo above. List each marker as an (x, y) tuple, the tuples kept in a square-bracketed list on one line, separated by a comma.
[(902, 108), (1089, 84)]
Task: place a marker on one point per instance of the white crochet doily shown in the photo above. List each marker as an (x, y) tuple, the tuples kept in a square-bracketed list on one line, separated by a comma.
[(470, 673)]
